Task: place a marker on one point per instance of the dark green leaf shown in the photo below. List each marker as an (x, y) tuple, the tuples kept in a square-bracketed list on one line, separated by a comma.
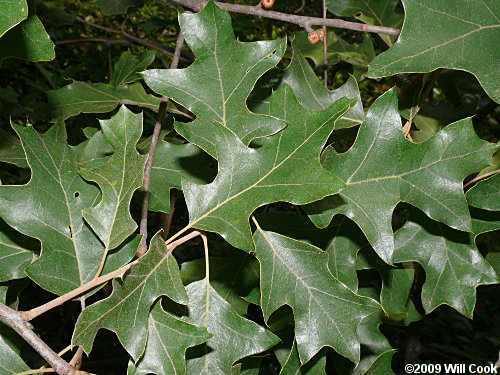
[(383, 168), (126, 310), (294, 367), (455, 34), (16, 252), (168, 339), (128, 67), (286, 168), (326, 312), (382, 365), (118, 179), (234, 337), (27, 41), (84, 97), (453, 265), (215, 87), (312, 95), (11, 150), (486, 194), (112, 7), (13, 12)]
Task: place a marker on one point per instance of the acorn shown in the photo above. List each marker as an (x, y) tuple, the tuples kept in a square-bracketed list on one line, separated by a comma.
[(313, 37), (267, 3)]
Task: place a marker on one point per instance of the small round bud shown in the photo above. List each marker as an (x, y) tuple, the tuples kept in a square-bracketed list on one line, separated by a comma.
[(267, 3), (313, 37)]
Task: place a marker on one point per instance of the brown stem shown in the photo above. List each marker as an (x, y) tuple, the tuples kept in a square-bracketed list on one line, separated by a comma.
[(109, 41), (151, 154), (137, 40), (33, 313), (325, 55), (290, 18), (477, 178), (167, 218), (15, 321)]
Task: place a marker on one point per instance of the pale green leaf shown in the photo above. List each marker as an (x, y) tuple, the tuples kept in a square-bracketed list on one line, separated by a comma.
[(127, 68), (82, 97), (168, 339), (326, 312), (215, 87), (11, 13), (10, 362), (126, 310), (312, 95), (234, 337), (286, 168), (27, 41), (383, 168), (118, 179), (450, 259), (486, 194), (454, 34)]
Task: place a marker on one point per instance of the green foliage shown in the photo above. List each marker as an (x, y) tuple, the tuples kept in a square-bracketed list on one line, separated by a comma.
[(335, 226)]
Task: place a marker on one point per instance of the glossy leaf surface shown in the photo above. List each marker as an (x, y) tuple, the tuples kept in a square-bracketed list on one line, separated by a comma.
[(168, 339), (215, 87), (326, 312), (82, 97), (453, 34), (383, 168), (486, 194), (126, 310), (286, 168), (12, 12), (450, 259), (16, 252), (27, 41), (118, 179), (127, 68), (234, 337)]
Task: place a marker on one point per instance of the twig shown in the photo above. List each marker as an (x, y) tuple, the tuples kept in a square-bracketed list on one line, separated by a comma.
[(167, 218), (33, 313), (15, 321), (140, 41), (477, 178), (38, 371), (109, 41), (325, 55), (151, 154), (302, 21)]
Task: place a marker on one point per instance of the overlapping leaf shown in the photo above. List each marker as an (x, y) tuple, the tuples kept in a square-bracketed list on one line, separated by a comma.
[(215, 87), (382, 365), (450, 259), (486, 194), (172, 164), (127, 67), (232, 276), (293, 366), (12, 12), (286, 168), (16, 252), (118, 179), (312, 95), (383, 168), (455, 34), (234, 337), (49, 208), (27, 41), (11, 150), (168, 339), (126, 310), (82, 97), (326, 312), (373, 12)]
